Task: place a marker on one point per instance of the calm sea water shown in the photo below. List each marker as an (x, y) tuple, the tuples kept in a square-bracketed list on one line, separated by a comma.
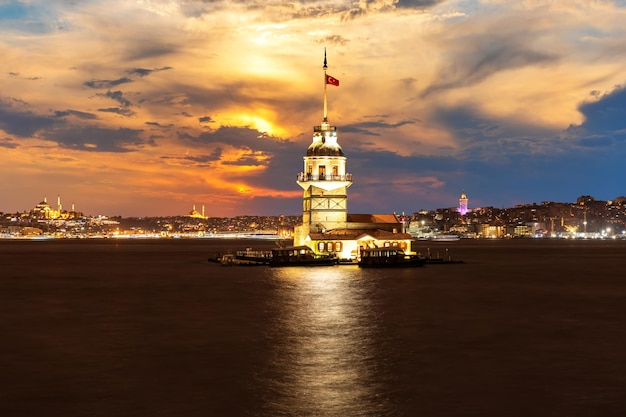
[(150, 328)]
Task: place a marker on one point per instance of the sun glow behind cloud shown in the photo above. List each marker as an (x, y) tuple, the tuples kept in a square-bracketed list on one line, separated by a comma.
[(214, 102)]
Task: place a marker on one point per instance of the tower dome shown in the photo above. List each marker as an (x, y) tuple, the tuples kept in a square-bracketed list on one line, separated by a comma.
[(324, 141), (324, 150)]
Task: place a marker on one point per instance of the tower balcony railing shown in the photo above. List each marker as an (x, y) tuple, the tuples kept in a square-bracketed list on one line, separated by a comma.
[(302, 177)]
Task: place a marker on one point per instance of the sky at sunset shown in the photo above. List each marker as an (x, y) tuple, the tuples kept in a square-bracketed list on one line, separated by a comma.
[(147, 107)]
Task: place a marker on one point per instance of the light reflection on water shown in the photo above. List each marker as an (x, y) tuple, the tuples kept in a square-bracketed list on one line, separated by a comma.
[(324, 345)]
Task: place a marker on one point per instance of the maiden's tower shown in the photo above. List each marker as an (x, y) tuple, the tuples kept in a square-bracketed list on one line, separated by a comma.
[(326, 225)]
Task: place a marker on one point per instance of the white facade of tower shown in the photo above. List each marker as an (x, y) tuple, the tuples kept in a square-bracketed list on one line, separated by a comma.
[(325, 183)]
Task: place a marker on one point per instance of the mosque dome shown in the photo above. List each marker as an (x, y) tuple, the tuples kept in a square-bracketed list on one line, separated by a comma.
[(43, 205)]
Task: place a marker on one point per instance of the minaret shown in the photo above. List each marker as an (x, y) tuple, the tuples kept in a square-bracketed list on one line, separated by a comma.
[(324, 179), (463, 204)]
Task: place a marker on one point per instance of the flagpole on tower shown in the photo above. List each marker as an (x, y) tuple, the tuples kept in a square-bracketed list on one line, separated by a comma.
[(325, 86)]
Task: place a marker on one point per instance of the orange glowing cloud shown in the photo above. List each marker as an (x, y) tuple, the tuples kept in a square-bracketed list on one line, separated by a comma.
[(145, 108)]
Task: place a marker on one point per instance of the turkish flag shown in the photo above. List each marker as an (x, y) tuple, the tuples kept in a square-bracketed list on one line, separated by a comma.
[(332, 80)]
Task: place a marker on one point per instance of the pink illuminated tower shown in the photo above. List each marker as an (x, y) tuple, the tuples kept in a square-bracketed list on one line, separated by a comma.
[(463, 204)]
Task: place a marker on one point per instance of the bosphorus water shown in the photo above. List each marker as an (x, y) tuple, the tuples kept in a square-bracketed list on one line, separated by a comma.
[(108, 327)]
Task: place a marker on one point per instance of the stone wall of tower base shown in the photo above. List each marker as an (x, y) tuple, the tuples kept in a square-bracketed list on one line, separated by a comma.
[(300, 233), (328, 218)]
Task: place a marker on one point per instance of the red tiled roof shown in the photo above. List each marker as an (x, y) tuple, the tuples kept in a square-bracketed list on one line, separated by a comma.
[(373, 218), (356, 234)]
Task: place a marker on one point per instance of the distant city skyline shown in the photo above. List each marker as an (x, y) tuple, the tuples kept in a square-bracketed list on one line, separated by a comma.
[(587, 218), (463, 206), (146, 108)]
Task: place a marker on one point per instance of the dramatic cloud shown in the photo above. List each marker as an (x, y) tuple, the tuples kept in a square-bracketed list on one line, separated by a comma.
[(241, 137), (199, 160), (142, 72), (370, 128), (118, 110), (417, 4), (604, 126), (164, 104), (8, 144), (95, 139), (22, 122), (117, 96), (18, 75), (75, 113), (474, 57), (105, 84), (156, 124), (607, 114)]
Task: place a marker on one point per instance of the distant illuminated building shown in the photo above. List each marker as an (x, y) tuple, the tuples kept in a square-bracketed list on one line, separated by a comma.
[(43, 210), (195, 214), (463, 204)]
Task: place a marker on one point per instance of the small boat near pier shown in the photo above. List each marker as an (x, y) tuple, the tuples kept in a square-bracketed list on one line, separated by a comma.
[(300, 256), (389, 258), (444, 237), (231, 259)]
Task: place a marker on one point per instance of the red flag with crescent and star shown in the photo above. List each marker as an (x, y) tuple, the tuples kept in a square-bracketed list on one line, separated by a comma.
[(332, 80)]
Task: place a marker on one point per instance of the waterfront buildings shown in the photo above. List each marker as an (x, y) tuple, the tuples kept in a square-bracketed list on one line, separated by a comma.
[(584, 218)]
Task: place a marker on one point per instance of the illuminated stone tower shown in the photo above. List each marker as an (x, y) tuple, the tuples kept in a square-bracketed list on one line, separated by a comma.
[(463, 204), (324, 179)]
